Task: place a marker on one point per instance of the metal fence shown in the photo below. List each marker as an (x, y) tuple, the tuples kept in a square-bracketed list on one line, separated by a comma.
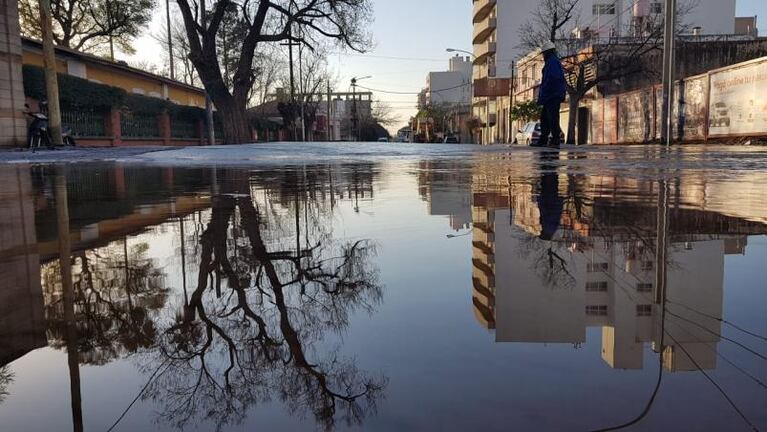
[(84, 123), (139, 125), (184, 128)]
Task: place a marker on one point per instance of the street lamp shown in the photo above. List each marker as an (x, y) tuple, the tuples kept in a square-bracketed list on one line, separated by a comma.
[(355, 119), (452, 50)]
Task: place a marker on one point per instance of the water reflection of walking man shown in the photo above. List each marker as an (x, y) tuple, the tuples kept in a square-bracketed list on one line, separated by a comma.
[(551, 96), (550, 203)]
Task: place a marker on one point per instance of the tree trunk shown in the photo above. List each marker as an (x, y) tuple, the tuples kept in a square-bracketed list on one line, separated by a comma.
[(234, 122), (572, 121)]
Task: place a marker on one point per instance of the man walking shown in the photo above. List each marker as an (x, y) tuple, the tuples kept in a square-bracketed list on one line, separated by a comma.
[(551, 96)]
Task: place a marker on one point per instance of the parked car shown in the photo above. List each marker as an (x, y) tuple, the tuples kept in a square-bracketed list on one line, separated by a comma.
[(451, 139), (531, 133), (383, 139)]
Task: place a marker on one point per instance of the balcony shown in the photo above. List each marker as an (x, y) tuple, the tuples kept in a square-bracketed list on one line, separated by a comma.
[(482, 9), (482, 51), (484, 28), (492, 87)]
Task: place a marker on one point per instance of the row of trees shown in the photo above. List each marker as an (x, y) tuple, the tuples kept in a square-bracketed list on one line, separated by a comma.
[(234, 48)]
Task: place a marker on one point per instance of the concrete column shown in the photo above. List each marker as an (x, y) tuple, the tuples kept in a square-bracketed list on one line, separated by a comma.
[(13, 126), (164, 123), (113, 127)]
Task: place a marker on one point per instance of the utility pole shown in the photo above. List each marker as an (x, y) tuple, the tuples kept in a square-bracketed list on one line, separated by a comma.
[(170, 40), (330, 111), (355, 120), (290, 44), (302, 88), (669, 71), (208, 102), (51, 80)]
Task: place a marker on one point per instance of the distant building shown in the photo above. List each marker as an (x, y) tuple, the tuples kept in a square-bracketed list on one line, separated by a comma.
[(452, 87), (746, 26), (450, 92), (334, 114)]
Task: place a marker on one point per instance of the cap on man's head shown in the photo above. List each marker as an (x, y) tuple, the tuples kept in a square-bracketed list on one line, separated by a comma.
[(547, 46)]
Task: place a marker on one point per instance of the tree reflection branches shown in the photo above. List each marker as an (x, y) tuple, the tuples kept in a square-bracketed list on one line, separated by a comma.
[(116, 290), (252, 328), (6, 379)]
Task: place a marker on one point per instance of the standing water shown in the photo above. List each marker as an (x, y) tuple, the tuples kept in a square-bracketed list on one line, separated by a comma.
[(490, 290)]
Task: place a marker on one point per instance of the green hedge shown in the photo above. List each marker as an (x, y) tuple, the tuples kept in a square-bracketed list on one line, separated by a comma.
[(145, 104), (186, 112), (78, 93), (74, 92)]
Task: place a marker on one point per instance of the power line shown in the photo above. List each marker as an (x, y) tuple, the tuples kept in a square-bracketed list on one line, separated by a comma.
[(391, 57), (413, 93), (724, 321), (714, 383)]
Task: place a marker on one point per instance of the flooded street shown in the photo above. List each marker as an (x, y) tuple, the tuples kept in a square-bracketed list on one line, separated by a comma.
[(386, 288)]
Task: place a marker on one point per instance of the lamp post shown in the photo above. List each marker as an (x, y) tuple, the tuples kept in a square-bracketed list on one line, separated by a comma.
[(355, 118), (669, 62), (451, 50)]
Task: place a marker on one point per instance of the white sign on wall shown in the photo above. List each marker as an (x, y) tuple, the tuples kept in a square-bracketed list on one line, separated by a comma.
[(738, 101)]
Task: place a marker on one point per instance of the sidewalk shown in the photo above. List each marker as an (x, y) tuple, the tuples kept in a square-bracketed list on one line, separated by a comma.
[(69, 155)]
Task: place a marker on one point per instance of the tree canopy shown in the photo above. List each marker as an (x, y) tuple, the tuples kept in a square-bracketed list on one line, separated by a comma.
[(89, 26)]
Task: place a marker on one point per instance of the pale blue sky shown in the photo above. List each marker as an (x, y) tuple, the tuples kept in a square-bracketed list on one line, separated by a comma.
[(413, 36)]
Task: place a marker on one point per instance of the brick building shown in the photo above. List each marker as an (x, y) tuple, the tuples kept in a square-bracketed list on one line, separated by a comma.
[(12, 122)]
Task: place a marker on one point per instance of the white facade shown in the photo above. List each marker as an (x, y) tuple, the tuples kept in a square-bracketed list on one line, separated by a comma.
[(452, 86)]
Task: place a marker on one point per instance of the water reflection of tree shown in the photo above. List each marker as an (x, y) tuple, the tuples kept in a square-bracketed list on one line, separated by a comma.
[(6, 379), (116, 291), (263, 303)]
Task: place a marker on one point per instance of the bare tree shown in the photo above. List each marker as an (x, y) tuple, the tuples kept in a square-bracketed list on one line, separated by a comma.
[(90, 25), (264, 21), (252, 328), (312, 79), (185, 71)]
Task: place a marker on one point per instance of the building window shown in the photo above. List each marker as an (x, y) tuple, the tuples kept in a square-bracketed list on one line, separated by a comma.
[(604, 9), (597, 267), (644, 287), (598, 310), (644, 310), (656, 8), (596, 287)]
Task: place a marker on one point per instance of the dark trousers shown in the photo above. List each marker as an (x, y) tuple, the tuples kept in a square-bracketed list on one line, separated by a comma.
[(550, 125)]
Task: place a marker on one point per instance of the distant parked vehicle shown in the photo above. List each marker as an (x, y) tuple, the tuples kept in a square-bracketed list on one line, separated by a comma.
[(451, 139), (383, 139), (529, 134)]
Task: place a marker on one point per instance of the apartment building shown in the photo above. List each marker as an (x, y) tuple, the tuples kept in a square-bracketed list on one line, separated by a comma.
[(497, 42), (451, 87)]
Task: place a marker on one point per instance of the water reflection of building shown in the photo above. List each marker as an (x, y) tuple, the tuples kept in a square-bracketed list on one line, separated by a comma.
[(446, 188), (21, 301), (600, 268)]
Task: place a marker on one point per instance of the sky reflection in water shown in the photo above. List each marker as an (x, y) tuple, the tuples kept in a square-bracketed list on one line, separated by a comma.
[(441, 294)]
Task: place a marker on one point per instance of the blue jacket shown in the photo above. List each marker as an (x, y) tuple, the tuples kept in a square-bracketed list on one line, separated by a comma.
[(553, 86)]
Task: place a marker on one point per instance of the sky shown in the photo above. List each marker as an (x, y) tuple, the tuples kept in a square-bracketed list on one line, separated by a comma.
[(410, 39)]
